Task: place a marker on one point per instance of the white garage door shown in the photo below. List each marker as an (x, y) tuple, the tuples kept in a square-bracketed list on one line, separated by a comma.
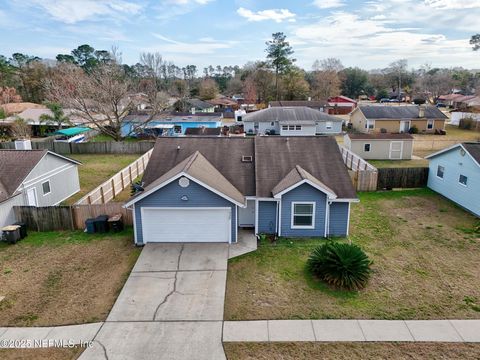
[(186, 225)]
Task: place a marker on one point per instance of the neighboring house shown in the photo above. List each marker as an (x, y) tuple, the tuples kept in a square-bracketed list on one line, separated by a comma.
[(455, 173), (194, 106), (203, 131), (448, 99), (169, 124), (319, 105), (291, 121), (205, 189), (378, 146), (341, 105), (223, 103), (34, 178), (400, 118)]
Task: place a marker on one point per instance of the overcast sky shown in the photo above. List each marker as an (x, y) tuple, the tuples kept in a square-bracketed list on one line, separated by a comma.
[(369, 34)]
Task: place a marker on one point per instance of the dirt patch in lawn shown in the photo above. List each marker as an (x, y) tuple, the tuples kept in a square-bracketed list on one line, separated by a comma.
[(425, 266), (287, 351), (41, 354), (63, 278)]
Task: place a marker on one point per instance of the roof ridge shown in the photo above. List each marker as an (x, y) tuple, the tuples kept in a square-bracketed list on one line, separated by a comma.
[(189, 163)]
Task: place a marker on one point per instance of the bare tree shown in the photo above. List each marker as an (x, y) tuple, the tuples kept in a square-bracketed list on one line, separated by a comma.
[(103, 97), (20, 129)]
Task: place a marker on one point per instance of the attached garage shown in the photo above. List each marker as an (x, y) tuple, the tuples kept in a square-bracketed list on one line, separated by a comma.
[(186, 224)]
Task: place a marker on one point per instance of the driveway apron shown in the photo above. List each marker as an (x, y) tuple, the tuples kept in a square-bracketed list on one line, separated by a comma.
[(171, 306)]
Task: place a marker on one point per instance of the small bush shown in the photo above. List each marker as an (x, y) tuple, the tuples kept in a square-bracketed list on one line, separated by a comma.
[(413, 130), (342, 265)]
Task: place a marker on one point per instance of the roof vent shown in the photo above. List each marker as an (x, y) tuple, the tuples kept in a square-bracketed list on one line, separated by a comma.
[(247, 159)]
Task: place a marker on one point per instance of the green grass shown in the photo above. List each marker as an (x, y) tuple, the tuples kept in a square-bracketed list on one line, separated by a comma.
[(398, 163), (416, 240), (96, 169)]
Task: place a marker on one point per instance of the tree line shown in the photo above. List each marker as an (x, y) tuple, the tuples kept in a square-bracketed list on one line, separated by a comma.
[(102, 89)]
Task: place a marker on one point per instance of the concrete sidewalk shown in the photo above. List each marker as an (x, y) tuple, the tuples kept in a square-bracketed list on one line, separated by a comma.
[(352, 330), (32, 337)]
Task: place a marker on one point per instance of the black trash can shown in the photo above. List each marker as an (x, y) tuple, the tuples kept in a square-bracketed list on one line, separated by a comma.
[(11, 233), (115, 223), (23, 229), (90, 225), (101, 224)]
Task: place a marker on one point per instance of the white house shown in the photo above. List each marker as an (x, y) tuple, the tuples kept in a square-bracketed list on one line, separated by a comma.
[(34, 178)]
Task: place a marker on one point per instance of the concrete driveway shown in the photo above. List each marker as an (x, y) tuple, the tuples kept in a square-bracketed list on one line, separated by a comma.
[(171, 306)]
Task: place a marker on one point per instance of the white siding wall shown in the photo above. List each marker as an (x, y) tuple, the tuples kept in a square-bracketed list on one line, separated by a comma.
[(262, 127), (7, 216), (307, 130), (63, 178)]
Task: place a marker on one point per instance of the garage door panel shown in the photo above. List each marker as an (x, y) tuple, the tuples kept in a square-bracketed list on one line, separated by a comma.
[(186, 225)]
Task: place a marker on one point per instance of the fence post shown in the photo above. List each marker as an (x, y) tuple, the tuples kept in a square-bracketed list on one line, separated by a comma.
[(130, 172), (89, 200), (101, 195), (113, 188), (138, 171), (121, 177)]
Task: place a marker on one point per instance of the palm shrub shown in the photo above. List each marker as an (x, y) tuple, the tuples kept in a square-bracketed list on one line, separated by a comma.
[(342, 265)]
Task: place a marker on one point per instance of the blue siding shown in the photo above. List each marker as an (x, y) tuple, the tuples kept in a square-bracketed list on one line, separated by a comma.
[(455, 164), (267, 217), (303, 192), (169, 196), (338, 223)]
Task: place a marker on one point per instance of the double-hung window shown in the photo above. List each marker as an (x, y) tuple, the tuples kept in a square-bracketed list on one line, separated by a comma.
[(463, 180), (46, 188), (303, 215), (440, 171)]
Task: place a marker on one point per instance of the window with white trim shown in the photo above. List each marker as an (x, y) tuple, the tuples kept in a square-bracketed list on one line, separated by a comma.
[(463, 180), (430, 124), (303, 215), (440, 171), (285, 127), (298, 127), (291, 127), (328, 125), (46, 187), (366, 147)]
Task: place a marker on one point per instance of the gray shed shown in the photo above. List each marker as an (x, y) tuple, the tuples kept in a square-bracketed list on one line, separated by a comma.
[(379, 146)]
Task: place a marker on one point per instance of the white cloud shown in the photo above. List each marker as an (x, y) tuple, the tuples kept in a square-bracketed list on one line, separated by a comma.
[(73, 11), (188, 2), (375, 41), (202, 46), (453, 4), (328, 4), (277, 15)]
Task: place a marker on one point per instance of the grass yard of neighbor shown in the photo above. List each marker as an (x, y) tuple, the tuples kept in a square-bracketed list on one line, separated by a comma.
[(399, 163), (96, 169), (60, 278), (347, 351), (41, 354), (425, 257)]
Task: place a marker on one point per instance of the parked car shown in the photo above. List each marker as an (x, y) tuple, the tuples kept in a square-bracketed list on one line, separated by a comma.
[(384, 100), (440, 105)]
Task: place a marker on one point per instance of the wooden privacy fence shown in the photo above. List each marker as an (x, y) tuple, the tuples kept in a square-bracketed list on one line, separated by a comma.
[(106, 147), (363, 174), (117, 183), (54, 218), (389, 178)]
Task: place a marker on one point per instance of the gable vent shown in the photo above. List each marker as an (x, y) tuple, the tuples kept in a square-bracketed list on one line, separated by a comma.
[(247, 159)]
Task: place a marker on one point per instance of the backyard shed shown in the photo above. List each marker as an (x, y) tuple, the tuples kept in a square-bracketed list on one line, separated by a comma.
[(380, 146)]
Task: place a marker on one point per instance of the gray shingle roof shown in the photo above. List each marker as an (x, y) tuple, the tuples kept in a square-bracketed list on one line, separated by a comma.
[(320, 156), (273, 160), (290, 114), (399, 112), (201, 169), (203, 131), (310, 104), (473, 149)]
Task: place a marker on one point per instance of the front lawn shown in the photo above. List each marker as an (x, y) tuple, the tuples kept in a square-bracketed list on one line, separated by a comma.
[(41, 354), (347, 351), (425, 266), (59, 278), (399, 163), (96, 169)]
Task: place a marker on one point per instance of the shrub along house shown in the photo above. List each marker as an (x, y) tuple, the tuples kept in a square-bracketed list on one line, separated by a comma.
[(397, 119), (34, 178), (205, 189), (455, 173), (291, 121)]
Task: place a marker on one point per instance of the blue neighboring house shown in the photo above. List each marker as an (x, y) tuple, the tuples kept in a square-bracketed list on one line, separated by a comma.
[(169, 124), (204, 189), (455, 173)]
